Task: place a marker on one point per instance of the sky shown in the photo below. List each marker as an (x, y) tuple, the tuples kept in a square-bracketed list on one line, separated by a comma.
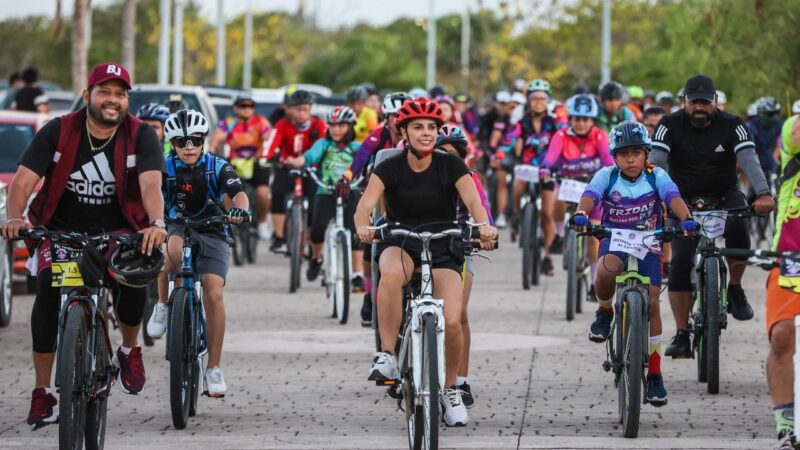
[(329, 13)]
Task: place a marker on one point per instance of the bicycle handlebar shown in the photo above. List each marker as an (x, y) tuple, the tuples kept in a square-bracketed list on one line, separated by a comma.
[(387, 230), (200, 223), (74, 237), (664, 234), (353, 184)]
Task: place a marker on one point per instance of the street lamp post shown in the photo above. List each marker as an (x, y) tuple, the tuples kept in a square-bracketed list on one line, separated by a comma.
[(163, 43), (177, 60), (220, 43), (605, 57), (430, 75), (248, 47)]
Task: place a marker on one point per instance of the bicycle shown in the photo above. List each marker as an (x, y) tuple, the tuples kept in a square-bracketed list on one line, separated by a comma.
[(763, 227), (84, 371), (710, 296), (337, 266), (575, 260), (421, 342), (295, 228), (627, 348), (530, 225), (186, 332)]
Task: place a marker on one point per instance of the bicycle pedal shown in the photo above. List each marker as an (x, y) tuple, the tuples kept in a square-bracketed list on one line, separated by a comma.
[(386, 382)]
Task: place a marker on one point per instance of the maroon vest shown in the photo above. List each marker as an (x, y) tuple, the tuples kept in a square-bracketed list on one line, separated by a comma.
[(46, 201)]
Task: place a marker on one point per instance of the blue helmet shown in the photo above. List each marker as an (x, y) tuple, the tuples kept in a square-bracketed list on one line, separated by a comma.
[(628, 134), (451, 134), (153, 111), (582, 105)]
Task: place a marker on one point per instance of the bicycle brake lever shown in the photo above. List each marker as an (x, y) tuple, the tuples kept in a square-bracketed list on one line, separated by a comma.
[(481, 255)]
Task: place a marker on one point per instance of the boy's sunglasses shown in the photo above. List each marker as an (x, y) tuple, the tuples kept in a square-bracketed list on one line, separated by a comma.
[(182, 141)]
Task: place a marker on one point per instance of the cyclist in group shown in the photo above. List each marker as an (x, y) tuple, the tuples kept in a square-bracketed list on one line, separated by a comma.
[(631, 194), (87, 201), (366, 117), (665, 100), (701, 147), (651, 117), (420, 188), (246, 133), (195, 186), (765, 130), (333, 153), (636, 102), (373, 101), (578, 151), (155, 115), (783, 295), (722, 101), (500, 145), (469, 120), (649, 99), (537, 129), (290, 137), (612, 109), (453, 140), (519, 103)]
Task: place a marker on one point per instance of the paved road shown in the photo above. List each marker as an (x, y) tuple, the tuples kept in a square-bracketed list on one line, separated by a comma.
[(297, 380)]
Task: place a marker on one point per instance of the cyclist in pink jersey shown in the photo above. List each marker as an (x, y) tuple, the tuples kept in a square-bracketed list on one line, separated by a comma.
[(577, 151)]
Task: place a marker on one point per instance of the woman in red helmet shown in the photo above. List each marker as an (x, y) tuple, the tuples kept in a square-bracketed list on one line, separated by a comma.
[(420, 189)]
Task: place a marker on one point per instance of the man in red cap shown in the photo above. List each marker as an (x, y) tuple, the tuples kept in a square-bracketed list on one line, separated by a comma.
[(102, 169)]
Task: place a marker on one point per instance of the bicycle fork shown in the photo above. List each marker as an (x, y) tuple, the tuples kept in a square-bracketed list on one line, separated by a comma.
[(422, 308)]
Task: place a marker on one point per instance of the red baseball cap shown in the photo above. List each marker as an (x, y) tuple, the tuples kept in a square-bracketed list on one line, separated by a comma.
[(109, 71)]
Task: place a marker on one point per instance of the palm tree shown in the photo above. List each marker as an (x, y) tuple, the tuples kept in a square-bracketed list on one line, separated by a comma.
[(128, 36), (79, 42)]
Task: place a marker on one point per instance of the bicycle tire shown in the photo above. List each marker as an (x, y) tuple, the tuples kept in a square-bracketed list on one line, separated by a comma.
[(295, 245), (96, 410), (414, 415), (151, 298), (237, 249), (525, 237), (7, 300), (195, 388), (633, 350), (343, 277), (376, 278), (536, 268), (72, 378), (430, 383), (571, 257), (179, 349), (251, 230), (710, 339)]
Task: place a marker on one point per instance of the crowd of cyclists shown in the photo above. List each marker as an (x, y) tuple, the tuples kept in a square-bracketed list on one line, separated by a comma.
[(646, 157)]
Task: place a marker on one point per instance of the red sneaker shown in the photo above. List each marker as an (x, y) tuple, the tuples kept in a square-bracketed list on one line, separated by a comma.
[(44, 409), (131, 370)]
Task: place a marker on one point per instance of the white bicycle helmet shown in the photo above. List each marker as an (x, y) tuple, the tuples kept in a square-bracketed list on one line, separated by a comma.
[(392, 102), (185, 122), (722, 99), (796, 107)]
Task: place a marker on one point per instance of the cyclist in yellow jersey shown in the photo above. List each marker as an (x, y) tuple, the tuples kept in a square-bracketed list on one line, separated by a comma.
[(367, 118)]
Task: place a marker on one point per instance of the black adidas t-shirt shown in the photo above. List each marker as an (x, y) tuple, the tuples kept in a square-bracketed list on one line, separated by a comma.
[(417, 198), (89, 203), (702, 161)]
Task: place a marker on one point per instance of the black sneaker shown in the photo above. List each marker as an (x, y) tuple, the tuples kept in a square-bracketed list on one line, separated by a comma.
[(591, 296), (656, 392), (547, 266), (681, 345), (601, 327), (737, 303), (366, 311), (278, 245), (556, 248), (466, 395), (357, 284), (314, 267)]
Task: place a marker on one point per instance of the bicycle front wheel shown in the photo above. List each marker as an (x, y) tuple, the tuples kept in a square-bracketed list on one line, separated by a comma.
[(239, 243), (179, 353), (708, 348), (295, 245), (96, 409), (430, 384), (342, 277), (72, 378), (571, 257), (536, 267), (633, 350), (527, 244)]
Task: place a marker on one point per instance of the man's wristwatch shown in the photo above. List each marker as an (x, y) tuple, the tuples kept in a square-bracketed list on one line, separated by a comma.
[(159, 223)]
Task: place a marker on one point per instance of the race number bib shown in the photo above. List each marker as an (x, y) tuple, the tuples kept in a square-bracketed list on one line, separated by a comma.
[(632, 242), (712, 223), (790, 275), (570, 191), (66, 271), (526, 173)]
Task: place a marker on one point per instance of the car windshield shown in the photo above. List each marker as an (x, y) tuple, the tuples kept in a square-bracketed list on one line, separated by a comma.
[(223, 111), (14, 139), (266, 109)]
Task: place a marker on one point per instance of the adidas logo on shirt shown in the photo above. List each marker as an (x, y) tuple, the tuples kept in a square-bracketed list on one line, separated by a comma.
[(719, 149), (93, 183)]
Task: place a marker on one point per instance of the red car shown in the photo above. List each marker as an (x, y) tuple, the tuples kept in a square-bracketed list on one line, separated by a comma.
[(17, 129)]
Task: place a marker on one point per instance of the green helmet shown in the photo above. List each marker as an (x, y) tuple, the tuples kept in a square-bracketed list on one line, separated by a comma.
[(539, 85), (635, 92)]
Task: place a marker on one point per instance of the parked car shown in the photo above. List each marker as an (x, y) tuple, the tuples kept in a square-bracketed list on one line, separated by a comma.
[(17, 129), (267, 100), (60, 102)]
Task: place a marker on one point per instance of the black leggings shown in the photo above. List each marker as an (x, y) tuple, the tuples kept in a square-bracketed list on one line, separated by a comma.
[(325, 211), (128, 302), (737, 235)]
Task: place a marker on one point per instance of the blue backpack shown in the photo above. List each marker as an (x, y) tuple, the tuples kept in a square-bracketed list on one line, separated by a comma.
[(213, 166)]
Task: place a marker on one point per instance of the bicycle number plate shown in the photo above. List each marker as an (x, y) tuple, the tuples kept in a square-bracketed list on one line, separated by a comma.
[(632, 242), (66, 271), (790, 275), (570, 191), (712, 223), (527, 173), (244, 167)]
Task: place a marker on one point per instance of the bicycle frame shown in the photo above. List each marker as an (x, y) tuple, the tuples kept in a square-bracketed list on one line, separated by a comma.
[(630, 280), (708, 248)]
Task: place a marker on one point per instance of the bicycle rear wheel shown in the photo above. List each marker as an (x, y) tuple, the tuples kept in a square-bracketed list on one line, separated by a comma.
[(527, 243), (180, 356), (342, 277), (295, 245), (536, 268), (96, 409), (72, 378), (708, 348), (632, 362), (571, 257)]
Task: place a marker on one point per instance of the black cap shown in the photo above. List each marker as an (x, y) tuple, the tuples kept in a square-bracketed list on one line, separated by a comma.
[(699, 87)]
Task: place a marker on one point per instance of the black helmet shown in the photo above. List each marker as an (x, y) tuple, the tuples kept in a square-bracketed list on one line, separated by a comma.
[(436, 91), (299, 97), (244, 97), (580, 89), (768, 105), (461, 97), (370, 87), (611, 91), (356, 93), (130, 267)]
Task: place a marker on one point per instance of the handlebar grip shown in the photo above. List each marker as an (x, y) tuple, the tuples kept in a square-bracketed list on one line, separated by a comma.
[(736, 252)]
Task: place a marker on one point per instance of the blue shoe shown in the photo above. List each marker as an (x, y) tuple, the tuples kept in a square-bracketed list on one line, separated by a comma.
[(601, 327), (656, 392)]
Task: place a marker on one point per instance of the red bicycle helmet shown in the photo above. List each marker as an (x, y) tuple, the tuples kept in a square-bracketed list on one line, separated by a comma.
[(420, 108)]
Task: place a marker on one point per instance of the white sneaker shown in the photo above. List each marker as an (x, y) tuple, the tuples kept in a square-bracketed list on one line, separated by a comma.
[(501, 221), (215, 383), (384, 368), (263, 231), (158, 321), (455, 413)]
